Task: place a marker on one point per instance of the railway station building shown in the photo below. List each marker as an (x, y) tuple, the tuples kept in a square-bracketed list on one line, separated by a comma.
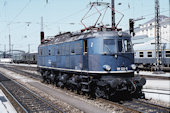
[(148, 28)]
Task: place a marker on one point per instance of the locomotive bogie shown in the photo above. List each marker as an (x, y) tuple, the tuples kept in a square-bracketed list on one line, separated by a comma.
[(101, 86)]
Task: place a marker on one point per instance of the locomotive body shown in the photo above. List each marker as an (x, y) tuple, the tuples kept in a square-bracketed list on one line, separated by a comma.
[(90, 54), (97, 62)]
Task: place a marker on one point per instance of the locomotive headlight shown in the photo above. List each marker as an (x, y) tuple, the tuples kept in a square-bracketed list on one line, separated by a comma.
[(107, 67), (120, 33), (133, 66)]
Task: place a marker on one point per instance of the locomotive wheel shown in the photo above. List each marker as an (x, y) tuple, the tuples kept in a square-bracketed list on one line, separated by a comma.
[(44, 76), (78, 91), (99, 93), (78, 88), (52, 78)]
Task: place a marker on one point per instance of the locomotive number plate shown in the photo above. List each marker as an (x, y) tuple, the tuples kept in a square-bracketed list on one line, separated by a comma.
[(122, 68)]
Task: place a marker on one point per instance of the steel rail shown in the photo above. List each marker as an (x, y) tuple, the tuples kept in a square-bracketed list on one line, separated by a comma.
[(27, 98), (13, 99), (167, 109), (156, 92), (145, 107)]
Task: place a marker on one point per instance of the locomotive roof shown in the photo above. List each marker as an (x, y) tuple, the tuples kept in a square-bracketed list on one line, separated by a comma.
[(68, 36)]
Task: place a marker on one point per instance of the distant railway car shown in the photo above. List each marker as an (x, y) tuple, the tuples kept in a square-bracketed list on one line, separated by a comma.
[(1, 54), (29, 58), (6, 60), (145, 53), (18, 58), (98, 61)]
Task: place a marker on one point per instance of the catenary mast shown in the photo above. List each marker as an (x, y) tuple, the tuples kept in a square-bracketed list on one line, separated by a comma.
[(113, 14), (157, 36)]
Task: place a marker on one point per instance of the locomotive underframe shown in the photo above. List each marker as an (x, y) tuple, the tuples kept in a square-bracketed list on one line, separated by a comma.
[(104, 85)]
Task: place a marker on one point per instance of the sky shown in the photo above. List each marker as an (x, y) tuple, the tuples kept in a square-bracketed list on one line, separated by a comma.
[(21, 19)]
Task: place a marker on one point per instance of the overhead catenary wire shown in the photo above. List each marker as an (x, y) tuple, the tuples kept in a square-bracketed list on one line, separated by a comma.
[(17, 15), (75, 13), (60, 20)]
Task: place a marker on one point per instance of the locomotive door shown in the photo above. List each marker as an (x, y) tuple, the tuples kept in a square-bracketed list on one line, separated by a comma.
[(85, 55)]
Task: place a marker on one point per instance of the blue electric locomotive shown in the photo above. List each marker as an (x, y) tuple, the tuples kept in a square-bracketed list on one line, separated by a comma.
[(99, 62)]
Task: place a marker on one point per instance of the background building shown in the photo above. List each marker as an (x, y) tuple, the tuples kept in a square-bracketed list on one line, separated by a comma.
[(148, 28)]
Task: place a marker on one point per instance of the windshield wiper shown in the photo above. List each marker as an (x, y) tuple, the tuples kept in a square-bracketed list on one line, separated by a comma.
[(108, 49)]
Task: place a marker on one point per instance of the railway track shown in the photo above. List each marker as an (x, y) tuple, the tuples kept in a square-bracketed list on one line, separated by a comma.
[(134, 105), (157, 91), (145, 107), (152, 68), (155, 77), (30, 101), (25, 67), (20, 71), (139, 106)]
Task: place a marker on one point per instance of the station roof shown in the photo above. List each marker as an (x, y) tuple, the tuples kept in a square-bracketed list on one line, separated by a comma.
[(149, 44), (141, 39)]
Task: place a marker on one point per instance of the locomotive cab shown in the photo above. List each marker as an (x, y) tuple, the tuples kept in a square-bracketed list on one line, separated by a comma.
[(110, 53), (110, 61)]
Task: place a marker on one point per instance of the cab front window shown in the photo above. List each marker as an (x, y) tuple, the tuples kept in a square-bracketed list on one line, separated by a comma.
[(124, 45), (109, 46)]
